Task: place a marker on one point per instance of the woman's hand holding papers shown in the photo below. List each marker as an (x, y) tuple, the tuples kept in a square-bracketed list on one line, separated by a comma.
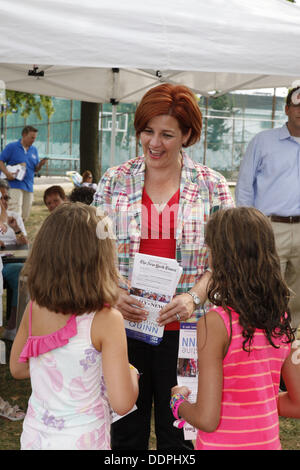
[(181, 308), (131, 308)]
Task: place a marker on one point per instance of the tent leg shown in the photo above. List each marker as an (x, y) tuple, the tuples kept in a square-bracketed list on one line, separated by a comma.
[(114, 102), (113, 135)]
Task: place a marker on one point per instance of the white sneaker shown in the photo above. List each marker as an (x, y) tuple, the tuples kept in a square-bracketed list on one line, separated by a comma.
[(9, 334)]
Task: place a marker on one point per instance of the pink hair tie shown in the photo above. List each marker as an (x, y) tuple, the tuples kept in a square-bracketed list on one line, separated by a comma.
[(179, 423)]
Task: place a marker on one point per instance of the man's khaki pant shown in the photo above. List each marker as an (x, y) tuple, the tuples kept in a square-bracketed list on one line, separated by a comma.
[(287, 237), (20, 202)]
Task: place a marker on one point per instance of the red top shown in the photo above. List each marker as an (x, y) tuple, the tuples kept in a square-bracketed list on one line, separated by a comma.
[(249, 415), (158, 232)]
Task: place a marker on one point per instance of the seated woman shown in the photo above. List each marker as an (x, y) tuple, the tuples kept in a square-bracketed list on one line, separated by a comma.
[(87, 180), (54, 196), (14, 235), (7, 411)]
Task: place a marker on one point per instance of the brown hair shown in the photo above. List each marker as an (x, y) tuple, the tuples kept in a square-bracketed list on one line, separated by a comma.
[(86, 174), (55, 190), (174, 100), (28, 129), (69, 269), (246, 274), (83, 194)]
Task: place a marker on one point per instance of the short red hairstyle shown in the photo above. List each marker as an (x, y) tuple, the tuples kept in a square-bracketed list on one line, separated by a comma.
[(177, 101)]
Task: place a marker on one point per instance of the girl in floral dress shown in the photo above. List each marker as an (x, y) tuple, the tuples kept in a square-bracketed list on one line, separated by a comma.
[(71, 342)]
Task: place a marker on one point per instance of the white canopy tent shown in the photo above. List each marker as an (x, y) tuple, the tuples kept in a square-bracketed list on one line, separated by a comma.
[(113, 51)]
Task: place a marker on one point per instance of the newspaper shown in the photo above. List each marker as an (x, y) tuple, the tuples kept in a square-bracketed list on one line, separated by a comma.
[(187, 368), (154, 281), (18, 171)]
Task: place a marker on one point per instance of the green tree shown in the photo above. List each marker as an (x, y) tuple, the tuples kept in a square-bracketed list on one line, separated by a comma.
[(217, 127), (27, 103)]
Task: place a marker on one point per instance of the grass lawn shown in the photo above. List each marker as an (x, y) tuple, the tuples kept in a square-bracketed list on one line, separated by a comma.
[(18, 391)]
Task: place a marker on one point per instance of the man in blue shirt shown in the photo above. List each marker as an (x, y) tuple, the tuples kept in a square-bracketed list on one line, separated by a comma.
[(269, 179), (22, 152)]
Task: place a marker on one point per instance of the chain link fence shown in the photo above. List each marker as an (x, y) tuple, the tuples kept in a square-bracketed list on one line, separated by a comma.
[(229, 123)]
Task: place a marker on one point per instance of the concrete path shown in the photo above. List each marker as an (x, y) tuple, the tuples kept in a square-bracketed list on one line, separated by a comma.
[(43, 182)]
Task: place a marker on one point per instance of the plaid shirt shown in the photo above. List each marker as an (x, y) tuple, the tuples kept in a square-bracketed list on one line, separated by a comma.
[(202, 191)]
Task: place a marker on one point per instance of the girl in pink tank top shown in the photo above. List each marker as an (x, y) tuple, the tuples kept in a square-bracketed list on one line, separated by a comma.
[(244, 343), (71, 342)]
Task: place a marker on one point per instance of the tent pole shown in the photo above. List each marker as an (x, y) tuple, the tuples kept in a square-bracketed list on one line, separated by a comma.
[(205, 130), (100, 138), (113, 135), (114, 104)]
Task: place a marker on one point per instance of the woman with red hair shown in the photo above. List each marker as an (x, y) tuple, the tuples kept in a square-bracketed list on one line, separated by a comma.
[(160, 203)]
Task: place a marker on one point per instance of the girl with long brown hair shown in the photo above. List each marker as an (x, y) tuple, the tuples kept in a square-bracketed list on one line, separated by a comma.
[(244, 341), (71, 342)]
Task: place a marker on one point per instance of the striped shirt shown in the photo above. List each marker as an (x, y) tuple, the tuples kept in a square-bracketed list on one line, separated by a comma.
[(249, 417), (202, 191)]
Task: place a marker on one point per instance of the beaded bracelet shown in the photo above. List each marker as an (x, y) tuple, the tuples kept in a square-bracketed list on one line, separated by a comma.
[(175, 402)]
